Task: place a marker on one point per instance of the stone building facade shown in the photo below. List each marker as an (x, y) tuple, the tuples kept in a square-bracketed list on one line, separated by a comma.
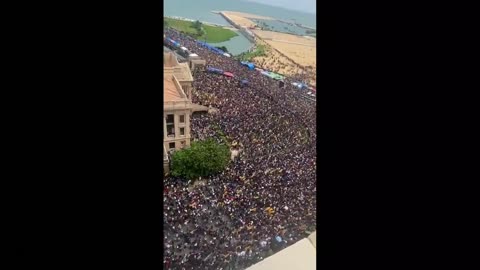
[(177, 106), (177, 109)]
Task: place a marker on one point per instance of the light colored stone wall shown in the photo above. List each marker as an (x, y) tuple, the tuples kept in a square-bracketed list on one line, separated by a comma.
[(177, 125)]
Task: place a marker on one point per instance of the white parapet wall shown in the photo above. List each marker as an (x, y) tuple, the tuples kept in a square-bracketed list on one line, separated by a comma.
[(299, 256)]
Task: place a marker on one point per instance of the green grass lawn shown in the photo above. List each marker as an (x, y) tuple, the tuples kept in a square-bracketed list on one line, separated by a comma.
[(213, 34), (260, 50)]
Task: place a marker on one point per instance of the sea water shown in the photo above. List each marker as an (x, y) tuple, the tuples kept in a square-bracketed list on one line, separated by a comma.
[(202, 10)]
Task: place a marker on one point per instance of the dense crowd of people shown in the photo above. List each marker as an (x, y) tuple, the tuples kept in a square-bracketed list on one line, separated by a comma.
[(265, 200)]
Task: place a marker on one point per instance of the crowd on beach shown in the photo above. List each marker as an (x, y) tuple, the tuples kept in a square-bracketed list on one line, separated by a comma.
[(265, 200)]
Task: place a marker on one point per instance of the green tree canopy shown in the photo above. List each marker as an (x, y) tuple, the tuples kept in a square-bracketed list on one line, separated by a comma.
[(197, 25), (202, 158)]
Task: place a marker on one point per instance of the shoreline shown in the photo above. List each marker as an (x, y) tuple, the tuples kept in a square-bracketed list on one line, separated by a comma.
[(274, 19), (229, 27), (191, 20), (294, 66), (297, 24)]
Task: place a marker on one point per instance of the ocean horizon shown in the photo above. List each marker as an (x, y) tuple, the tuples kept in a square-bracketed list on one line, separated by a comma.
[(202, 10)]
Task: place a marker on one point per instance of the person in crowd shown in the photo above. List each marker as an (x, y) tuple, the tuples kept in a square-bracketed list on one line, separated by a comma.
[(267, 193)]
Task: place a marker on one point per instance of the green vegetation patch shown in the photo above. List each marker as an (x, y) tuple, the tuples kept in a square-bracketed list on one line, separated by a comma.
[(202, 158), (216, 34), (200, 31), (260, 50)]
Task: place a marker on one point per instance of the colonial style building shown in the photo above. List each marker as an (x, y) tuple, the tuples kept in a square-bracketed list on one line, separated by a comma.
[(177, 109), (181, 71), (177, 106)]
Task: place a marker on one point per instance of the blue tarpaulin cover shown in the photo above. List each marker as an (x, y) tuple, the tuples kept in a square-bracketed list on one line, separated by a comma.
[(214, 70), (250, 66), (212, 48)]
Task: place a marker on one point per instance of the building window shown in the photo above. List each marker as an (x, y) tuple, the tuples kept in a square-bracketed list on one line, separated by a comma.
[(171, 132), (171, 145), (182, 131), (170, 119), (170, 126), (182, 118), (182, 143)]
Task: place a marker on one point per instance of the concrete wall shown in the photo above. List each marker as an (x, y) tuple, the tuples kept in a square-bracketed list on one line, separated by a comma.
[(243, 31), (197, 62), (250, 37), (299, 256)]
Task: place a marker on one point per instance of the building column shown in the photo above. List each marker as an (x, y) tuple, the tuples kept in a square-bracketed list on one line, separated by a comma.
[(164, 125), (187, 127), (176, 120)]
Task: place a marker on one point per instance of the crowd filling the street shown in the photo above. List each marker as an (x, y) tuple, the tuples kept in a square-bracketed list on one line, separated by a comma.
[(265, 200)]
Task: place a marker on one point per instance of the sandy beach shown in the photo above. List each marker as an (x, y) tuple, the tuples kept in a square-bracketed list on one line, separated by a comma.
[(301, 50), (241, 21), (283, 65), (286, 53), (247, 15)]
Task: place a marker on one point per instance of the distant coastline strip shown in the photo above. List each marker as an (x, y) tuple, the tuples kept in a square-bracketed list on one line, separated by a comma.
[(191, 20)]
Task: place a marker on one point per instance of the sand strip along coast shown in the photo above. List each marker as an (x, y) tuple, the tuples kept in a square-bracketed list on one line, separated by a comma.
[(287, 54)]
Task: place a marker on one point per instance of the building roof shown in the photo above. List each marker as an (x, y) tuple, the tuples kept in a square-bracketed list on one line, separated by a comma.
[(170, 90), (184, 74), (180, 58), (299, 256), (172, 66), (169, 59)]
